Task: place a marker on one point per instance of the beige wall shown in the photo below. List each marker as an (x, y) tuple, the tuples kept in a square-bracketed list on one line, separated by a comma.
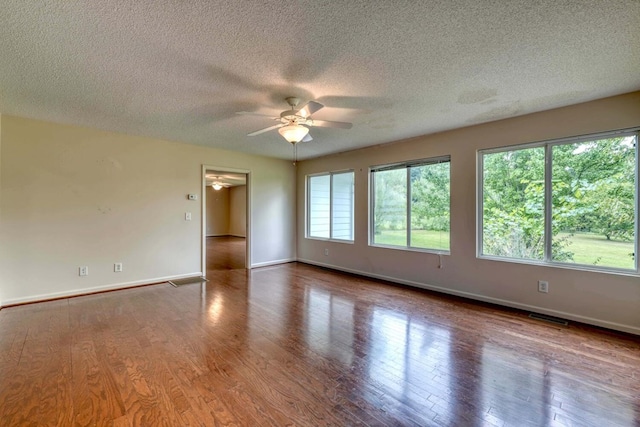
[(74, 196), (3, 252), (238, 211), (217, 211), (611, 300), (227, 211)]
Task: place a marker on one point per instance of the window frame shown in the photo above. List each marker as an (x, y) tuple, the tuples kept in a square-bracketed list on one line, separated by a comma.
[(307, 233), (372, 191), (548, 145)]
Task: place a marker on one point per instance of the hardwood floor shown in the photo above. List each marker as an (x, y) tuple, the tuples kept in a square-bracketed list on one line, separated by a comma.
[(299, 345), (225, 253)]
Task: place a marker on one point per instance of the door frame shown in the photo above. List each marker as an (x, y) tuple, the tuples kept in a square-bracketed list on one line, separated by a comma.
[(203, 225)]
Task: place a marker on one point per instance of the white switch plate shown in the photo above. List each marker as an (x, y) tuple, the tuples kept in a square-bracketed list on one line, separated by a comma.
[(187, 216)]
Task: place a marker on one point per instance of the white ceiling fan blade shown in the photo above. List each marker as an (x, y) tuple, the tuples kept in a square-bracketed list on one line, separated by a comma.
[(258, 132), (330, 124), (307, 138), (310, 108)]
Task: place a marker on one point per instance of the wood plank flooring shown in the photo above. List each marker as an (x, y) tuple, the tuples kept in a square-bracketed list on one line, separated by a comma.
[(225, 253), (303, 346)]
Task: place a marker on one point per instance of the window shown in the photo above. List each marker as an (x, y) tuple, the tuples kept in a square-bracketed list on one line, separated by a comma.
[(410, 204), (330, 206), (569, 202)]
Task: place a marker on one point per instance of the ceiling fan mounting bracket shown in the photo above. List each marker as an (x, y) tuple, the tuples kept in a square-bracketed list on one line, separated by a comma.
[(292, 101), (289, 116)]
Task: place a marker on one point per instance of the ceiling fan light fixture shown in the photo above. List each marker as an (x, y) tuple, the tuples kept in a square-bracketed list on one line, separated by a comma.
[(293, 133), (216, 186)]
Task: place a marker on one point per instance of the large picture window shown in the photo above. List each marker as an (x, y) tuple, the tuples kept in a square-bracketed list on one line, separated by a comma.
[(330, 206), (562, 202), (410, 204)]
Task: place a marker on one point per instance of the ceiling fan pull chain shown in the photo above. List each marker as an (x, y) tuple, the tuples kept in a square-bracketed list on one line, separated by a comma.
[(295, 154)]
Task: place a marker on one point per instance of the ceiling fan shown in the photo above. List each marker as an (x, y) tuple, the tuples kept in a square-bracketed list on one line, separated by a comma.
[(218, 184), (294, 123)]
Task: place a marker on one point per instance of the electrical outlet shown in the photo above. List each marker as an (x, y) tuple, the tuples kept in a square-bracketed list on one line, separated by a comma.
[(117, 267), (83, 271), (543, 286), (326, 252)]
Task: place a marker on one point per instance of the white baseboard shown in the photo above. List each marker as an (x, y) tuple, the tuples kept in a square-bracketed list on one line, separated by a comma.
[(526, 307), (268, 263), (94, 290)]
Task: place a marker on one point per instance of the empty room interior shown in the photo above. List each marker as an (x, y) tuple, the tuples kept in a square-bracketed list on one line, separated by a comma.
[(319, 213)]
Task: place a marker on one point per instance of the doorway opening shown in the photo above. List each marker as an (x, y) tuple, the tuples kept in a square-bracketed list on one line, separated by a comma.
[(225, 219)]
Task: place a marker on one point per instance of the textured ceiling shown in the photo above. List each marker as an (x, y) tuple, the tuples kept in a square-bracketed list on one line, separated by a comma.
[(180, 70)]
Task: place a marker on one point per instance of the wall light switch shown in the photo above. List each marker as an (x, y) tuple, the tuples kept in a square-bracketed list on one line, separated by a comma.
[(187, 216)]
